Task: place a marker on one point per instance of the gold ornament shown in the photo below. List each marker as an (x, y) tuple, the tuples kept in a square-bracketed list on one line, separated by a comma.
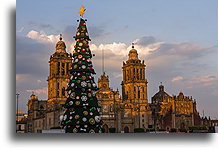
[(85, 113), (91, 131), (77, 103), (92, 121), (75, 130), (77, 117), (83, 77)]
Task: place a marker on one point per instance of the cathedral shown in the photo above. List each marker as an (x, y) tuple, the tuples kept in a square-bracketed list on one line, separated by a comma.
[(125, 112)]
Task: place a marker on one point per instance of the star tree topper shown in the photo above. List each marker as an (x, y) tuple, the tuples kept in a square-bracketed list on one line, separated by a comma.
[(82, 11)]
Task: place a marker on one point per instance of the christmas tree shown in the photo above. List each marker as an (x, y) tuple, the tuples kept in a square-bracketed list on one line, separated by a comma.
[(81, 108)]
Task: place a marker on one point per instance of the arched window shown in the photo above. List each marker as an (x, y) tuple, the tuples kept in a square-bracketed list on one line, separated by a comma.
[(57, 89), (105, 127), (58, 68), (63, 91)]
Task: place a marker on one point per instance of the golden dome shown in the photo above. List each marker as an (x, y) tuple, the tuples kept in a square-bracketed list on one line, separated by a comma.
[(133, 55), (60, 46), (133, 51)]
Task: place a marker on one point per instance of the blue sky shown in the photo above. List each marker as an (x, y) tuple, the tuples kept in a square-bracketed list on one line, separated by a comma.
[(177, 40)]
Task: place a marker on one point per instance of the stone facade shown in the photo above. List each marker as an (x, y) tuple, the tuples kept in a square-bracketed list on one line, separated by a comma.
[(132, 111), (45, 114), (178, 112)]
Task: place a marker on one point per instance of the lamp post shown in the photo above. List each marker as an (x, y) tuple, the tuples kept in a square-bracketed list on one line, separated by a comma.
[(17, 95)]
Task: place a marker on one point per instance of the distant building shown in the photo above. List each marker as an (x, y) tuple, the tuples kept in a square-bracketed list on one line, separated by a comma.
[(178, 112), (21, 122)]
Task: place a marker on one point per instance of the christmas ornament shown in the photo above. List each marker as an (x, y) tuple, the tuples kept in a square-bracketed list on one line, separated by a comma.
[(75, 130), (71, 102), (83, 84), (89, 95), (77, 117), (97, 118), (89, 84), (65, 117), (84, 119), (61, 117), (72, 95), (83, 77), (85, 113), (84, 98), (77, 103), (91, 131), (92, 121), (72, 84)]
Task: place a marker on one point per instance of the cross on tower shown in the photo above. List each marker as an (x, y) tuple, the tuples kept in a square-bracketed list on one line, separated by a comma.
[(133, 45), (60, 37)]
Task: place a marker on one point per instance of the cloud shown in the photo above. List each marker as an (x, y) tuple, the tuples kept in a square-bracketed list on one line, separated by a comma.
[(22, 77), (145, 40), (202, 81), (43, 90), (20, 30), (177, 78), (42, 37)]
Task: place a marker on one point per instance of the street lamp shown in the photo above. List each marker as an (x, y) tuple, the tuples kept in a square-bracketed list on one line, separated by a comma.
[(17, 104), (17, 95)]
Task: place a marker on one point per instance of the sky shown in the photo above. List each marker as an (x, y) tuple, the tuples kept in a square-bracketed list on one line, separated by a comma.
[(176, 39)]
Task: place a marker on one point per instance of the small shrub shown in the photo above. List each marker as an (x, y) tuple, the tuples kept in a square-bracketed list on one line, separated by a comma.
[(139, 130), (112, 130)]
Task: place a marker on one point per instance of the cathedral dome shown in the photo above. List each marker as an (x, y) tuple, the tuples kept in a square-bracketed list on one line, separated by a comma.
[(133, 51), (133, 55), (160, 96), (60, 46)]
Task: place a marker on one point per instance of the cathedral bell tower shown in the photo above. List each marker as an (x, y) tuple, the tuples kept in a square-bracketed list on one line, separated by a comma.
[(60, 63), (134, 84)]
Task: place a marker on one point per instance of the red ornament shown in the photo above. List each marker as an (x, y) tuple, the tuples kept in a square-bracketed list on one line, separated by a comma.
[(80, 56), (87, 45), (69, 126), (91, 68), (83, 50), (84, 24), (75, 46)]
